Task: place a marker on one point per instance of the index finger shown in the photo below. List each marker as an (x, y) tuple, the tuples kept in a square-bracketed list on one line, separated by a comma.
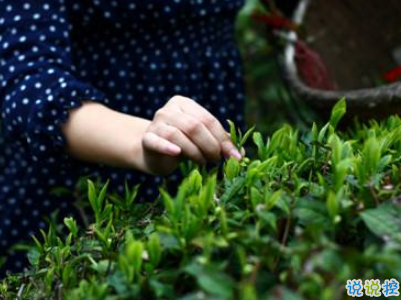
[(221, 135)]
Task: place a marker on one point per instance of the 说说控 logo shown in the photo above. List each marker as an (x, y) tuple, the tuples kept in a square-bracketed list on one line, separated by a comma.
[(372, 288)]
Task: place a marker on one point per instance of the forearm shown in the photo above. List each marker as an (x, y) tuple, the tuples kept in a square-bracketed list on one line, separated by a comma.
[(180, 129), (99, 134)]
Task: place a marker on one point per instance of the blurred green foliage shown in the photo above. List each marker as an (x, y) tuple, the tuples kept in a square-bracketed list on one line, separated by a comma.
[(270, 103), (308, 212)]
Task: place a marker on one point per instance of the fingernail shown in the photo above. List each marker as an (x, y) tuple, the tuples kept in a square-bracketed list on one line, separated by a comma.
[(235, 153), (173, 149)]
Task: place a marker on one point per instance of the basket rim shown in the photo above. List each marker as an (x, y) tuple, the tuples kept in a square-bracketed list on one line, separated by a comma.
[(364, 97)]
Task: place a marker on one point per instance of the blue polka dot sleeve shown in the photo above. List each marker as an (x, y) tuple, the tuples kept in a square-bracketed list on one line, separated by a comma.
[(131, 55), (38, 86)]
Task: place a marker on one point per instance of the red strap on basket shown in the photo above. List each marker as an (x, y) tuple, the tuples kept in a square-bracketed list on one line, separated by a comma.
[(273, 17), (312, 69), (310, 65), (393, 76), (277, 22)]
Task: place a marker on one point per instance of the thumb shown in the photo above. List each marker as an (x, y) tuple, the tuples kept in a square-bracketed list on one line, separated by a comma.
[(153, 142)]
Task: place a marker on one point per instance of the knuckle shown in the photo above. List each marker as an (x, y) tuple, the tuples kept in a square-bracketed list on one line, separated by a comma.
[(193, 126), (216, 149), (163, 132), (226, 146), (209, 121), (176, 99), (226, 141), (161, 114), (154, 128), (171, 133)]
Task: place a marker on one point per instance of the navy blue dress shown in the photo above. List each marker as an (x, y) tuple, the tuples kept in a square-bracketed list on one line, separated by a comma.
[(130, 55)]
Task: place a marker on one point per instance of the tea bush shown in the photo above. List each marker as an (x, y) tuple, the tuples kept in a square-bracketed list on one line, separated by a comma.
[(309, 211)]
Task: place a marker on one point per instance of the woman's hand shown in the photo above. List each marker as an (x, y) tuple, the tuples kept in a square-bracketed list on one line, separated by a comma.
[(181, 129), (184, 129)]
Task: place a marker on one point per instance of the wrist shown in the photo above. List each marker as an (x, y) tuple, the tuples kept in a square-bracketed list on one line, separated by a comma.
[(134, 154), (98, 134)]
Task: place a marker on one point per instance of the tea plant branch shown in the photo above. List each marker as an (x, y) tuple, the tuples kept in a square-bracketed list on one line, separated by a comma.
[(255, 271), (20, 291), (374, 194), (326, 163), (60, 291)]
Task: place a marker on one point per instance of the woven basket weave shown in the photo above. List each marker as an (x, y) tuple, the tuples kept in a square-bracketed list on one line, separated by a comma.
[(350, 51)]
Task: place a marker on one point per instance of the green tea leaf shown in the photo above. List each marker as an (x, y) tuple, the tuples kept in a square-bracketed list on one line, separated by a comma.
[(246, 137), (72, 226), (92, 197), (212, 281), (384, 221), (232, 168), (272, 200), (332, 204), (233, 132), (338, 112), (259, 142), (154, 249)]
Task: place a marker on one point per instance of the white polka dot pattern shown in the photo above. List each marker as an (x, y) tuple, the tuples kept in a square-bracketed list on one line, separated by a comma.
[(131, 55)]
